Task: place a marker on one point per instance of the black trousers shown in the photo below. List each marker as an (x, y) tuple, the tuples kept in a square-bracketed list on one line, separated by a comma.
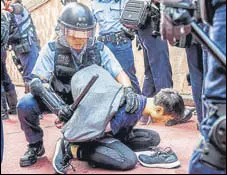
[(117, 153)]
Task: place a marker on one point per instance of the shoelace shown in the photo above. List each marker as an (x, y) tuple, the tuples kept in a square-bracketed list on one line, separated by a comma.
[(159, 150), (67, 159)]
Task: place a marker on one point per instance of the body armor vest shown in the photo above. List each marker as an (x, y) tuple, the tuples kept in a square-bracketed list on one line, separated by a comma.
[(66, 66)]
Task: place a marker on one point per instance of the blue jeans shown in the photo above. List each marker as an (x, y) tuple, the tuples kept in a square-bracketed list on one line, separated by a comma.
[(195, 64), (28, 61), (124, 54), (215, 90), (158, 72)]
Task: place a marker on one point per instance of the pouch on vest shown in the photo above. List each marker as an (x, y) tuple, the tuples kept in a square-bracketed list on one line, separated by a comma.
[(22, 48), (97, 108)]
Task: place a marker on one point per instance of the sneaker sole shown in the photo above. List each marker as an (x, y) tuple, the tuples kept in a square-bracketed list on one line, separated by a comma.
[(165, 166), (55, 155)]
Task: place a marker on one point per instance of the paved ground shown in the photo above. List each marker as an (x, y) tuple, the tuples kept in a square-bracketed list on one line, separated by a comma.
[(182, 139)]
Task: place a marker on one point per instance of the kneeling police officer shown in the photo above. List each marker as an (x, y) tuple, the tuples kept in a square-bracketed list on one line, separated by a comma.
[(74, 49)]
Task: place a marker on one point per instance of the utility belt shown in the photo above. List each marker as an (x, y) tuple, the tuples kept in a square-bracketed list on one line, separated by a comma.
[(115, 38), (21, 46)]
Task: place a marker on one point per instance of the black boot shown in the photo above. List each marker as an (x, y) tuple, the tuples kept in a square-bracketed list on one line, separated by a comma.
[(4, 112), (30, 157), (11, 97)]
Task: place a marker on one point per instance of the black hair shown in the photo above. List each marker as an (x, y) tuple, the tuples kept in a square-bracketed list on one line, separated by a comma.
[(171, 101)]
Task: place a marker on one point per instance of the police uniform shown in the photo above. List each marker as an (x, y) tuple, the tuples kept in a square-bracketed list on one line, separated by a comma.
[(214, 96), (24, 42), (195, 65), (47, 64), (158, 72), (107, 13)]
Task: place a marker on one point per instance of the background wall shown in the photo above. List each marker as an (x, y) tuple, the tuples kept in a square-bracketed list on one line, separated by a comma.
[(45, 17)]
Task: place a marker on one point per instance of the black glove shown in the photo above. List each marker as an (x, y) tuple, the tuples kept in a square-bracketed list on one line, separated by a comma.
[(65, 113), (131, 100)]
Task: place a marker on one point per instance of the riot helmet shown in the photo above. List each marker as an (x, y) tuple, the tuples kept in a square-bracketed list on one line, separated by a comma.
[(65, 2), (77, 27)]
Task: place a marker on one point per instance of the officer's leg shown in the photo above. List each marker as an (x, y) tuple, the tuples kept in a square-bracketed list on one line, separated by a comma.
[(10, 91), (158, 56), (195, 64), (211, 159), (28, 113), (124, 54), (108, 153), (148, 85), (28, 62)]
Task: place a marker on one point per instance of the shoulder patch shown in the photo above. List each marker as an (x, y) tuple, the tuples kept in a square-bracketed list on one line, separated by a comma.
[(52, 46)]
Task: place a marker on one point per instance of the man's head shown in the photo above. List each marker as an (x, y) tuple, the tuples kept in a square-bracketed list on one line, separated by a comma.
[(167, 105), (77, 26)]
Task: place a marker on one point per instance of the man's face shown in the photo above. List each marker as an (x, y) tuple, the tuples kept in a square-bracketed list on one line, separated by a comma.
[(158, 115), (77, 39)]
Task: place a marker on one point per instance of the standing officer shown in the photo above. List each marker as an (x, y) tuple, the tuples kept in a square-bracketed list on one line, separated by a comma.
[(210, 156), (24, 40), (195, 65), (114, 36)]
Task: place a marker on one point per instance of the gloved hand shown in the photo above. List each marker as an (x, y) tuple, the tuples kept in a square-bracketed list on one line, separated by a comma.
[(65, 113), (175, 25), (131, 100)]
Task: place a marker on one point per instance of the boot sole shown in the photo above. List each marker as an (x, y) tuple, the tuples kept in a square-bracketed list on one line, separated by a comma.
[(30, 163), (164, 166)]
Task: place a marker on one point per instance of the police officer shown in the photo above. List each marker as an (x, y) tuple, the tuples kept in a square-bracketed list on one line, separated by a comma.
[(24, 40), (114, 36), (210, 156), (5, 25), (74, 49)]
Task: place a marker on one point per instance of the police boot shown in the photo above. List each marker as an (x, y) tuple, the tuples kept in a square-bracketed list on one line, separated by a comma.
[(62, 157), (34, 152), (11, 97), (4, 113)]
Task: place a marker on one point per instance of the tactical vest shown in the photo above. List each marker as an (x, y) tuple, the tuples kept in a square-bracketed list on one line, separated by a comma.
[(66, 66), (23, 32)]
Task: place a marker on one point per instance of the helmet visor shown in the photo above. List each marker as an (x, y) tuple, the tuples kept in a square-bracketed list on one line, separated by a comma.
[(77, 39)]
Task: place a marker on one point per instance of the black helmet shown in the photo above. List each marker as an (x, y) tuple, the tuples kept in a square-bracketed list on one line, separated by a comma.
[(77, 26), (65, 2), (77, 16)]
